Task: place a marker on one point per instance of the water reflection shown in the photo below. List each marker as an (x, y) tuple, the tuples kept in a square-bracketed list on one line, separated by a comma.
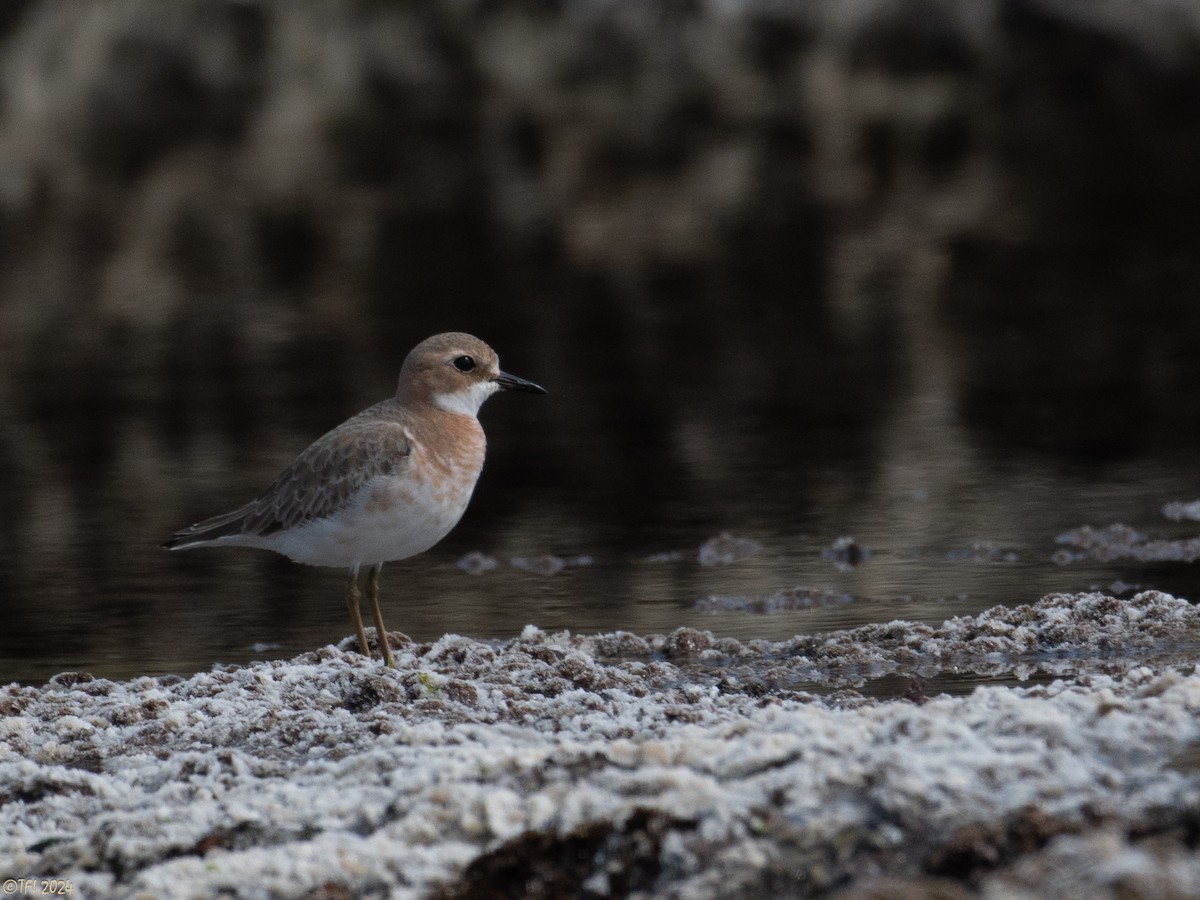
[(642, 453), (86, 586), (850, 282)]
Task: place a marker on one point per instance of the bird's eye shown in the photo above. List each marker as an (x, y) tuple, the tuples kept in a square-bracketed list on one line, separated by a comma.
[(464, 363)]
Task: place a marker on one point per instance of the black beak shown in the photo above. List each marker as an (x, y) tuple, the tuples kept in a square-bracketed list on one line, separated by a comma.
[(513, 383)]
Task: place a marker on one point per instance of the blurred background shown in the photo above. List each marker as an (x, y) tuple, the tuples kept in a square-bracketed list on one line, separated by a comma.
[(922, 273)]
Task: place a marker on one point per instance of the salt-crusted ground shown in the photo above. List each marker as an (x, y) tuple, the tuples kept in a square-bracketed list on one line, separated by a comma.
[(561, 765)]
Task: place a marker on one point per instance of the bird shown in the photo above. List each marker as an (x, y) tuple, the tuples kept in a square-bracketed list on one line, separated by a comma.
[(386, 484)]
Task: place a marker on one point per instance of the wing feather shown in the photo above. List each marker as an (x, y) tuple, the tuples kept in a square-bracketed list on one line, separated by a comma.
[(322, 480)]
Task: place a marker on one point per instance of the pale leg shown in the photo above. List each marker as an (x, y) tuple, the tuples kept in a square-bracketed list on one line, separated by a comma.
[(352, 600), (380, 631)]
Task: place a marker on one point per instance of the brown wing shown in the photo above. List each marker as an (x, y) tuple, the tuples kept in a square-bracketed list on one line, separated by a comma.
[(321, 481)]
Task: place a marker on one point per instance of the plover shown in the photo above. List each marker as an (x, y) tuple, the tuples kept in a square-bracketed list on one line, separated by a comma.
[(385, 485)]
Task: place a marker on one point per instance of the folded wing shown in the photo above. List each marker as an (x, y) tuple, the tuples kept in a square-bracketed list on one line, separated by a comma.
[(322, 480)]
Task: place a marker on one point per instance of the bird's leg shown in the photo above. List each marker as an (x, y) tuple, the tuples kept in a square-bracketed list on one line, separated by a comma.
[(352, 600), (380, 632)]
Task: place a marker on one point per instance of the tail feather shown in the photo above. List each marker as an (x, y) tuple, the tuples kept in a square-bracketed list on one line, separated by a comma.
[(209, 531)]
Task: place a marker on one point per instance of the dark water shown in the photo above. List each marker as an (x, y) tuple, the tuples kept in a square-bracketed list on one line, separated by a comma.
[(927, 282), (614, 480)]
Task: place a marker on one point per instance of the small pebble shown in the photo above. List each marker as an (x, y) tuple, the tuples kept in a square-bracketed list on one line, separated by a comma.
[(476, 563), (725, 549)]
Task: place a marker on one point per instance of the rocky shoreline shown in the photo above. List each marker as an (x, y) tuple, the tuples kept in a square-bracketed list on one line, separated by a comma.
[(618, 765)]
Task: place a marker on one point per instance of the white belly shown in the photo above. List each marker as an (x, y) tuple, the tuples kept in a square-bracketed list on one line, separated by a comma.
[(389, 519)]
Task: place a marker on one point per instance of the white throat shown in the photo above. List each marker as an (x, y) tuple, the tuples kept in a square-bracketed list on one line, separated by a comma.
[(468, 400)]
